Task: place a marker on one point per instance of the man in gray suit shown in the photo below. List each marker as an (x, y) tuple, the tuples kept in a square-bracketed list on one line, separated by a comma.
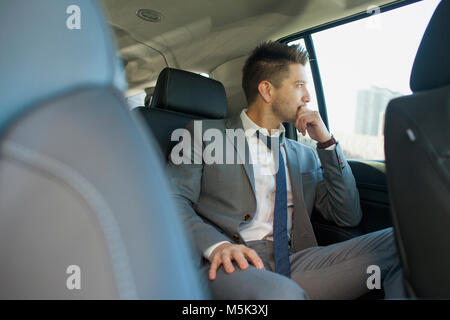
[(251, 220)]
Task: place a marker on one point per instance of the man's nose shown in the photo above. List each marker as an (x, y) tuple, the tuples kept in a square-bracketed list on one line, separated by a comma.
[(306, 98)]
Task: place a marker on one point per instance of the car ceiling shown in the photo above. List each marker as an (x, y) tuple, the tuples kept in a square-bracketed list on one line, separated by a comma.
[(208, 35)]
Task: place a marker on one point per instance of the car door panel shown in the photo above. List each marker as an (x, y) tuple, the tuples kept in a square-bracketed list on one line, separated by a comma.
[(370, 177)]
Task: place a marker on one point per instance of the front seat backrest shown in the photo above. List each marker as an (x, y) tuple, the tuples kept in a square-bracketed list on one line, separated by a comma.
[(84, 206), (181, 96), (417, 146)]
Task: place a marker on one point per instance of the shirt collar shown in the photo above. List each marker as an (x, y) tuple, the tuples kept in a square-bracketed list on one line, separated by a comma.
[(250, 127)]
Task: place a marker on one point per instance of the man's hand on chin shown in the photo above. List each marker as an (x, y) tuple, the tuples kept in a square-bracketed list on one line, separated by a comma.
[(311, 122)]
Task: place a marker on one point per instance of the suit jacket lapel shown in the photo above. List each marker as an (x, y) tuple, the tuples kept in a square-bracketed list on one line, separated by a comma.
[(236, 123), (293, 164), (302, 230)]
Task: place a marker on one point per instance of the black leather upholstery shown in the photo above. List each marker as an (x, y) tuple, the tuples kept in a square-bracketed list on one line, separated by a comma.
[(417, 146), (179, 97), (432, 64), (80, 184), (187, 92), (161, 123)]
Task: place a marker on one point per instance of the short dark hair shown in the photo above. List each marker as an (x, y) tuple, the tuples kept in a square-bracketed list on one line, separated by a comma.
[(270, 61)]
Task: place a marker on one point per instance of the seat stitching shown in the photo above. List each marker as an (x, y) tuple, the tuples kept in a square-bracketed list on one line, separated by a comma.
[(116, 247)]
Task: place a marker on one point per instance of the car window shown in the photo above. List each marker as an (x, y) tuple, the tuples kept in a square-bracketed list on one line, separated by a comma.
[(136, 100), (363, 65)]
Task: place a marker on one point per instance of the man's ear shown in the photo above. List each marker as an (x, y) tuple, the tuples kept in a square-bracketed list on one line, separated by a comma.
[(265, 89)]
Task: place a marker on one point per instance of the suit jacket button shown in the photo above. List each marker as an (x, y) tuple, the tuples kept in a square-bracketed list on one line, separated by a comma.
[(247, 217), (341, 163), (235, 237)]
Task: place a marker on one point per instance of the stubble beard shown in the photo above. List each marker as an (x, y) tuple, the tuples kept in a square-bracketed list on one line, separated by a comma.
[(282, 110)]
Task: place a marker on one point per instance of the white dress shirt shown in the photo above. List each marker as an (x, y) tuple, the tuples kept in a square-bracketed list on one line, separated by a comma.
[(261, 226)]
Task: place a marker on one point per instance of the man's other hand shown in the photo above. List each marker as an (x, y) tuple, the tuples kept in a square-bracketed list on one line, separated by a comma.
[(227, 252)]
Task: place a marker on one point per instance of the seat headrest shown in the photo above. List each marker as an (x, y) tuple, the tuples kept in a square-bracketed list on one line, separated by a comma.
[(42, 58), (432, 63), (187, 92)]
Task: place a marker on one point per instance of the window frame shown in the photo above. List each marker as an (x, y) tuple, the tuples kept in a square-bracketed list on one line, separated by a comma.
[(306, 35)]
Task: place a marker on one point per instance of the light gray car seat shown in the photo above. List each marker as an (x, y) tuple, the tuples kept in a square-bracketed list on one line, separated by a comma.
[(80, 183)]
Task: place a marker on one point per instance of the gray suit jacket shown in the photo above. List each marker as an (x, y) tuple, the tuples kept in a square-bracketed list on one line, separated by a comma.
[(217, 200)]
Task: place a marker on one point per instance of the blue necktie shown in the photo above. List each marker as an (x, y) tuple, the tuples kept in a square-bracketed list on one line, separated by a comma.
[(280, 237)]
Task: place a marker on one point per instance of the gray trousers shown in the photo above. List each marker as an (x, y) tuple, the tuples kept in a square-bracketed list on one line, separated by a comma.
[(337, 271)]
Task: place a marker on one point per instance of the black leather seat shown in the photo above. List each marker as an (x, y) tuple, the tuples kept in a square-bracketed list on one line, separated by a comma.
[(181, 96), (417, 145), (79, 183)]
